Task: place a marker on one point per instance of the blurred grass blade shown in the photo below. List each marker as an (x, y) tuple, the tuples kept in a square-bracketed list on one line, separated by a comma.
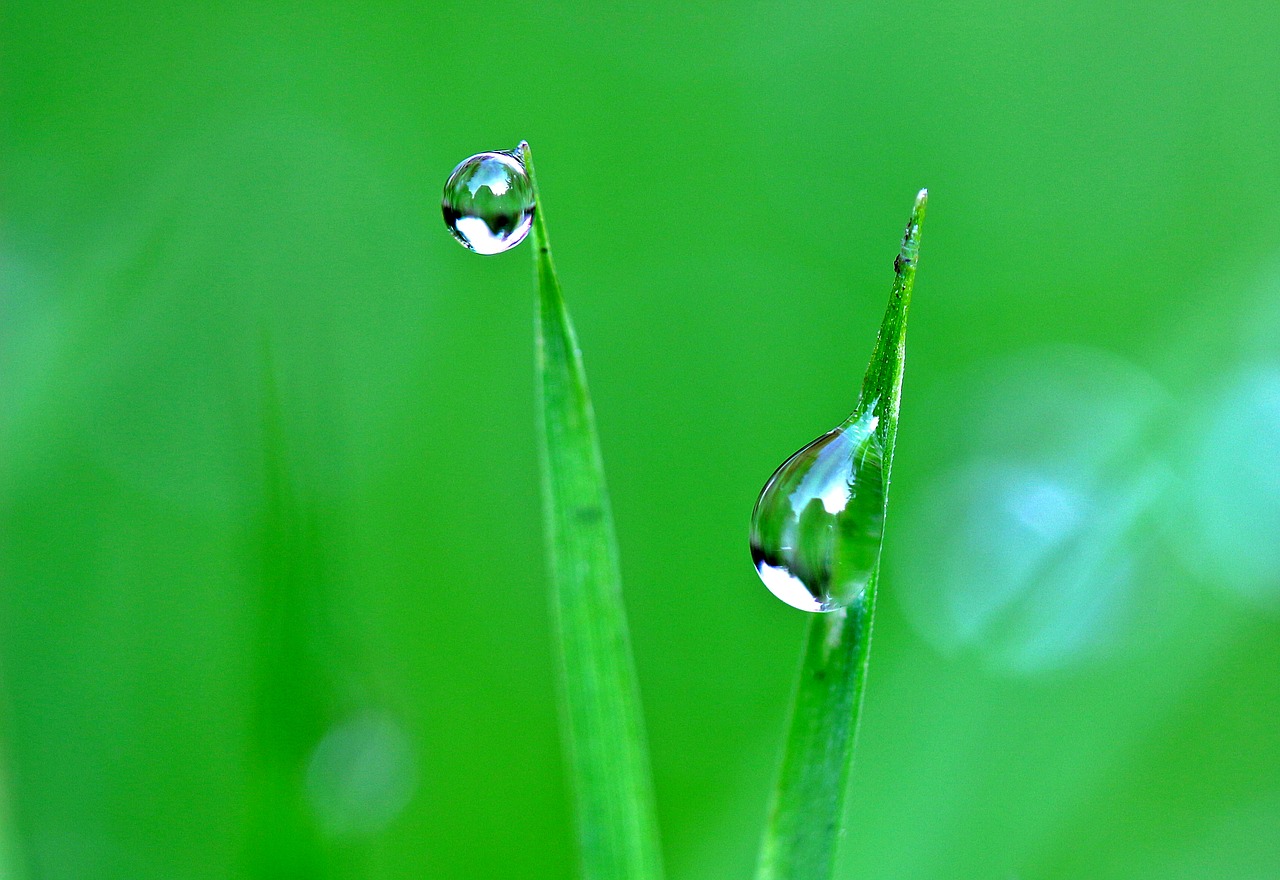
[(605, 741), (12, 863), (293, 698), (807, 806)]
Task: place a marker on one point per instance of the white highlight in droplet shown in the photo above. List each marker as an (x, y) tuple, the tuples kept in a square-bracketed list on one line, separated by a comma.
[(787, 587)]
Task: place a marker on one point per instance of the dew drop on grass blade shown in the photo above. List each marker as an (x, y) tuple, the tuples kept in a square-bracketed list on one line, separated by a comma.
[(815, 538)]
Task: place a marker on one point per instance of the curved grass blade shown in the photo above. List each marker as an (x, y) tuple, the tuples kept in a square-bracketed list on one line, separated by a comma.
[(807, 804), (604, 732)]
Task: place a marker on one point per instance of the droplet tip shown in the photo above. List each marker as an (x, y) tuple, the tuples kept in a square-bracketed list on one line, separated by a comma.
[(922, 200)]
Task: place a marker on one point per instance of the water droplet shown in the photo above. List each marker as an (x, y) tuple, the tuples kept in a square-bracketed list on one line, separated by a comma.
[(1227, 532), (361, 775), (1029, 543), (816, 528), (488, 202)]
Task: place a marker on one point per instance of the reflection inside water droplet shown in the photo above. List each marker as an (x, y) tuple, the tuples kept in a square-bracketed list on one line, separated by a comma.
[(816, 528), (488, 202)]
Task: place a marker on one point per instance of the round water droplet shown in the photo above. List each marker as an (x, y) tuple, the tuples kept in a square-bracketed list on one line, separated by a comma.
[(362, 774), (488, 202), (816, 528)]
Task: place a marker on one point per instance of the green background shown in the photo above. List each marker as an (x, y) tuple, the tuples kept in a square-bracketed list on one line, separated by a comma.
[(243, 368)]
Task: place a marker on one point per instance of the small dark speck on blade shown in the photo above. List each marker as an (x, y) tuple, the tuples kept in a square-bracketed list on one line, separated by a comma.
[(588, 514)]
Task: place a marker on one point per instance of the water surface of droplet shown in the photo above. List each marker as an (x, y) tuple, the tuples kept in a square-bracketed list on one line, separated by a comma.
[(488, 202), (816, 528)]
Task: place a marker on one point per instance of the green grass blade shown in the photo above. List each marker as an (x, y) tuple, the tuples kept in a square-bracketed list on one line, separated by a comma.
[(292, 699), (604, 731), (807, 806), (12, 863)]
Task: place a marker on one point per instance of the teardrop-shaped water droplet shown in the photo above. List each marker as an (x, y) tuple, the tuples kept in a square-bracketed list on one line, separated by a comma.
[(488, 202), (816, 528)]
